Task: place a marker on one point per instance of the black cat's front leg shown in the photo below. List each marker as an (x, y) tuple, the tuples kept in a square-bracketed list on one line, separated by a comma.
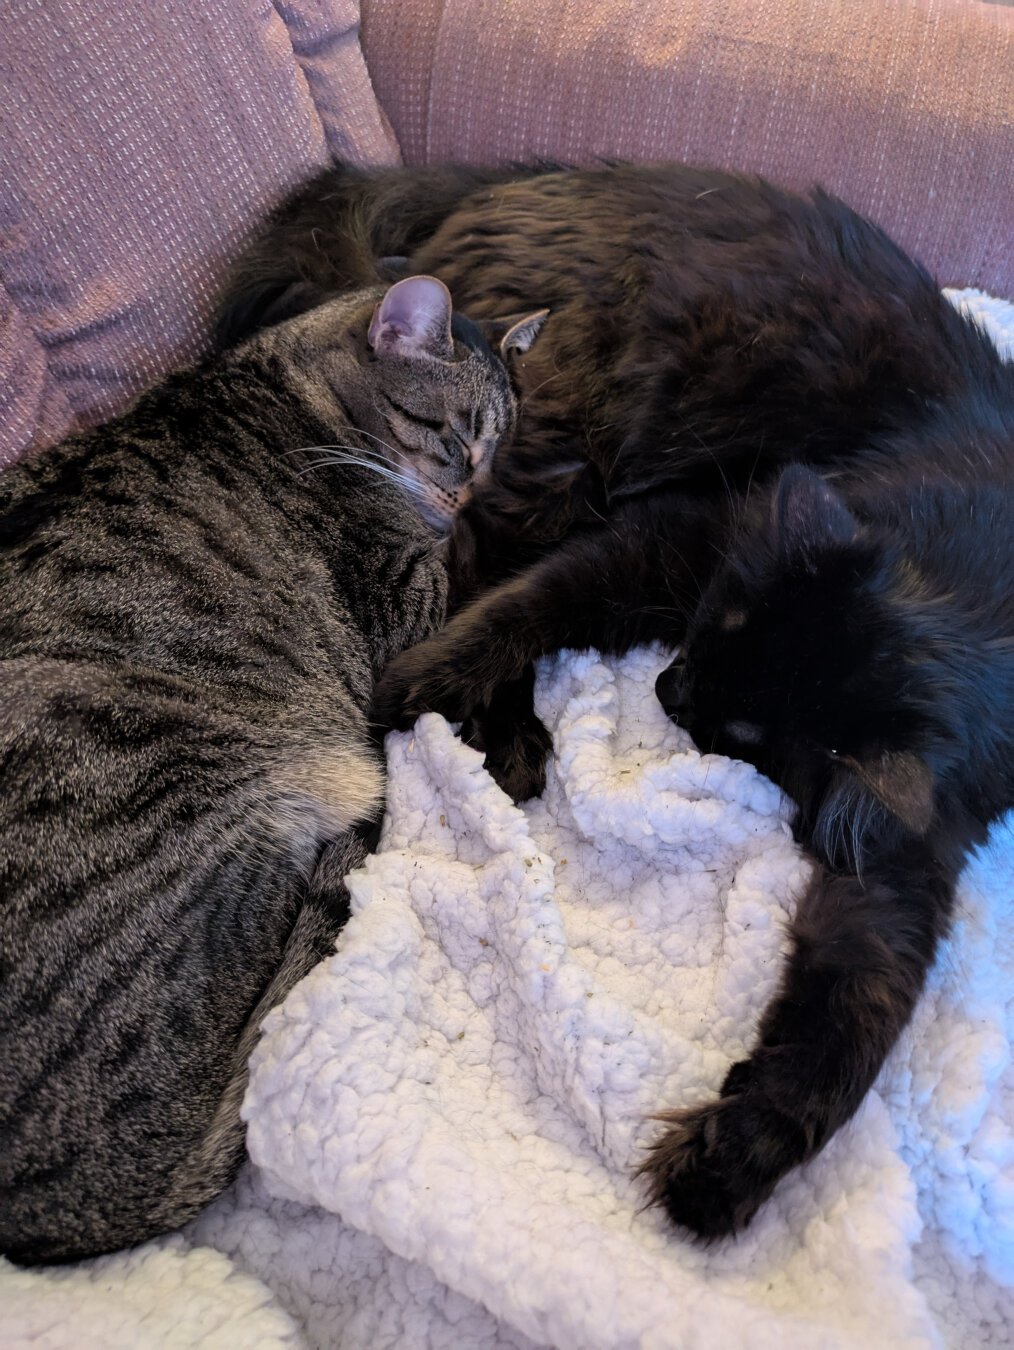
[(860, 953), (515, 742), (635, 580)]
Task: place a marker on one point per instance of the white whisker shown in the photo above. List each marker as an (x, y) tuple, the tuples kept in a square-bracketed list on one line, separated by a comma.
[(403, 480), (380, 441), (306, 449), (356, 450)]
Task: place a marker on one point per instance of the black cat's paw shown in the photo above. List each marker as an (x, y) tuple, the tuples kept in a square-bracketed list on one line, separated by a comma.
[(517, 760), (738, 1078), (691, 1173), (715, 1165), (429, 678)]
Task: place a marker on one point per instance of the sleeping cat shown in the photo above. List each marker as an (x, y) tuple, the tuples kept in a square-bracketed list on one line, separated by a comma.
[(857, 645), (706, 331), (197, 599)]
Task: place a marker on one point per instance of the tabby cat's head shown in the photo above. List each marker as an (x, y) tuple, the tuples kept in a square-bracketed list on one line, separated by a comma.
[(801, 660), (426, 392)]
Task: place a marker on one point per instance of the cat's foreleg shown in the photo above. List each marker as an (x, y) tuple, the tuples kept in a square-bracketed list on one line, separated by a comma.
[(515, 743), (635, 580), (859, 957)]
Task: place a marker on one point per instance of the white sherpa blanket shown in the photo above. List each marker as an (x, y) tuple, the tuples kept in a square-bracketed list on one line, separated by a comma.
[(444, 1115)]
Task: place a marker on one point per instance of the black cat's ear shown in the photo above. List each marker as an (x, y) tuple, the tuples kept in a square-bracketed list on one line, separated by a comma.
[(414, 319), (901, 782), (809, 516), (515, 332)]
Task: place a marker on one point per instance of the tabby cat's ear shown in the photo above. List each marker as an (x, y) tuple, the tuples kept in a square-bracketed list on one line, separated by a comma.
[(514, 332), (809, 516), (901, 782), (414, 319)]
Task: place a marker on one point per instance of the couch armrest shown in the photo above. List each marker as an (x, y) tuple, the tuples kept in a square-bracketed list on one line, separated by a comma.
[(905, 108)]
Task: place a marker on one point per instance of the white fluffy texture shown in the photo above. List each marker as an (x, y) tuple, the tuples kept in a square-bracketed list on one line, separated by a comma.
[(159, 1295), (446, 1112)]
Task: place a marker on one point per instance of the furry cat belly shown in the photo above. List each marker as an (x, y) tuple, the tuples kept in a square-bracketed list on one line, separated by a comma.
[(160, 841)]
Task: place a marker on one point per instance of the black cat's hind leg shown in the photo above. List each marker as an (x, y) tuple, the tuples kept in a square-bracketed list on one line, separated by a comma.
[(859, 960)]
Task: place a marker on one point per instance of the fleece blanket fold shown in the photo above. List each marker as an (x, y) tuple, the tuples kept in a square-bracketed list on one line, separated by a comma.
[(444, 1116)]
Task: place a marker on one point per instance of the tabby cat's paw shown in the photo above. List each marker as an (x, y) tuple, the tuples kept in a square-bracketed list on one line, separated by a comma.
[(715, 1165), (426, 678)]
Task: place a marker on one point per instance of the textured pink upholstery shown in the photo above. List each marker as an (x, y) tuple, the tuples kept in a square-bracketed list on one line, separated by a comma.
[(903, 107), (139, 144)]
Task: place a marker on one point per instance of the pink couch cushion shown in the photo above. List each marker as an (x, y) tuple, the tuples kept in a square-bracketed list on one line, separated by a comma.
[(140, 144), (905, 108)]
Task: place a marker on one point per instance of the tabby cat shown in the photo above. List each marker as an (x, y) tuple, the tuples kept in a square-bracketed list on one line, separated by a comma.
[(706, 332), (197, 599)]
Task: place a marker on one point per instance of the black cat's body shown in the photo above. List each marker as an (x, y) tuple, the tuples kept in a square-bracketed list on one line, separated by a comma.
[(704, 329), (849, 630), (197, 599)]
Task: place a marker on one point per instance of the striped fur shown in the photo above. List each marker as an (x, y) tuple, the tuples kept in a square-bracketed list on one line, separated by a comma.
[(195, 602)]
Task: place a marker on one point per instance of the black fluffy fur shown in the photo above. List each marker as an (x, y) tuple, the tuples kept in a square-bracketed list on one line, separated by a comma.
[(847, 626)]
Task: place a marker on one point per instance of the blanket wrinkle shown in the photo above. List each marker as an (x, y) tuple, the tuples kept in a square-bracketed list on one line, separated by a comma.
[(443, 1117)]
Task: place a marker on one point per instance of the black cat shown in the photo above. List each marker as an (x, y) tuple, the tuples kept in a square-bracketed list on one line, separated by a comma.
[(854, 638)]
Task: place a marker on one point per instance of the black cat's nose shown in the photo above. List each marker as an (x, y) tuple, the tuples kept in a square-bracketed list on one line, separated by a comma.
[(666, 686), (671, 692)]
